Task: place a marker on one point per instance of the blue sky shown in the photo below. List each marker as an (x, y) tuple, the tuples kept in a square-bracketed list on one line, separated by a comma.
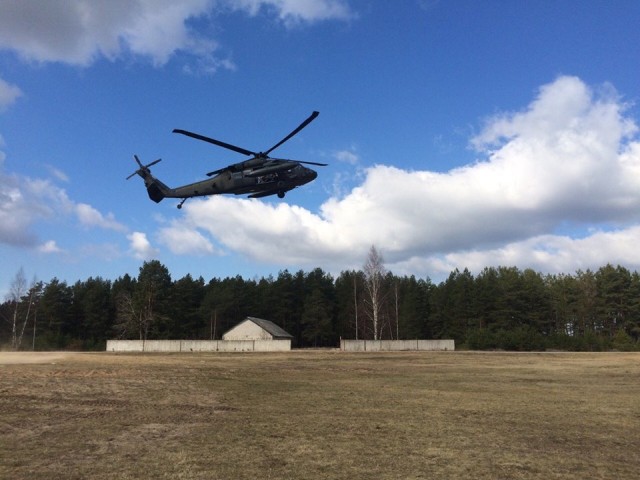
[(458, 133)]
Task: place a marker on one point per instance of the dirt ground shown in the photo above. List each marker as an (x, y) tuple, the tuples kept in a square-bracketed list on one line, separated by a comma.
[(319, 414), (12, 358)]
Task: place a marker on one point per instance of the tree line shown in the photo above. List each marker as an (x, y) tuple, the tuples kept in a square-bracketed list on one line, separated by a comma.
[(499, 308)]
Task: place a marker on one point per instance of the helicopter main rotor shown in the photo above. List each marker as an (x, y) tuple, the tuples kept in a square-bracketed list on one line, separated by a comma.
[(261, 157)]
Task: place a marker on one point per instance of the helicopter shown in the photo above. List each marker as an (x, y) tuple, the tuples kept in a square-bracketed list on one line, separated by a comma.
[(260, 176)]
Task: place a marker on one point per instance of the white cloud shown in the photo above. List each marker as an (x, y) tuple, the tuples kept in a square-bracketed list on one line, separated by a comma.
[(26, 202), (8, 94), (344, 180), (140, 246), (293, 12), (49, 247), (57, 173), (547, 253), (79, 31), (90, 217), (347, 156), (183, 241), (570, 157)]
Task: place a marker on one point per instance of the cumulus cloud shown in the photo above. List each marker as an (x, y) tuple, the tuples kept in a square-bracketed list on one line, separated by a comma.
[(185, 241), (27, 202), (8, 94), (559, 253), (23, 202), (79, 31), (571, 157), (57, 173), (293, 12), (90, 217), (347, 156), (49, 247), (545, 253), (140, 246)]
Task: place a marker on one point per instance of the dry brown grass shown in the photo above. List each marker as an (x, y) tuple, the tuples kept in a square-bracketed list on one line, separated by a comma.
[(318, 415)]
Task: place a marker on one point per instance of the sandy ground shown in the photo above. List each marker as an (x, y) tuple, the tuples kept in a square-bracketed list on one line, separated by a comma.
[(15, 358)]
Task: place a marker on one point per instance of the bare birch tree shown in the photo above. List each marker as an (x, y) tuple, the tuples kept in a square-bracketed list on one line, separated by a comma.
[(24, 302), (17, 290), (374, 277), (130, 319), (33, 299)]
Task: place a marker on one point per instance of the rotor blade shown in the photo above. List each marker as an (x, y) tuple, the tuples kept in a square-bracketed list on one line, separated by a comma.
[(314, 163), (300, 127), (215, 142)]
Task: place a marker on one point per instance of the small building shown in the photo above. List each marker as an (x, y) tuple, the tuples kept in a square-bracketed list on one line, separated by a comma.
[(252, 328)]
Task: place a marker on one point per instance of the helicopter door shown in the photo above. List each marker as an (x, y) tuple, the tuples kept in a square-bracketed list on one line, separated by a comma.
[(236, 178)]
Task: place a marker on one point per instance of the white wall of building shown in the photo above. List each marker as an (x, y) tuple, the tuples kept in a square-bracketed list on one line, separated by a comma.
[(247, 330)]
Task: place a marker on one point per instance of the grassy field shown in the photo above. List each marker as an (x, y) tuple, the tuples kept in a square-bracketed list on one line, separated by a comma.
[(319, 415)]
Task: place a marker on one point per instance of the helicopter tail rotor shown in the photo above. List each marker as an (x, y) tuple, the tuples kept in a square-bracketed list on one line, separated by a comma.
[(144, 169)]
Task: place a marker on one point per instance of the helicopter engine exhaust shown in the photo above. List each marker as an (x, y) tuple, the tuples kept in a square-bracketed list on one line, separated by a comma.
[(273, 169)]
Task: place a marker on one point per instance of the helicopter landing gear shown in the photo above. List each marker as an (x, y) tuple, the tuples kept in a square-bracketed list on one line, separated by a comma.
[(280, 194), (180, 204)]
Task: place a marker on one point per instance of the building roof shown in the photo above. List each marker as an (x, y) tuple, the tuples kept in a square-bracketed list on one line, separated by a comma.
[(273, 329)]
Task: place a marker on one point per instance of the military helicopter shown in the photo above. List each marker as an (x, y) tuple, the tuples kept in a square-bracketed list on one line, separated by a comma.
[(259, 176)]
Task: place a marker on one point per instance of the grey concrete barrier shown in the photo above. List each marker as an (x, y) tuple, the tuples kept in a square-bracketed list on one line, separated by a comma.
[(396, 345), (198, 345)]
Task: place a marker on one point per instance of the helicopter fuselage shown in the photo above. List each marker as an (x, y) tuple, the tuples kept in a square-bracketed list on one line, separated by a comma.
[(257, 183)]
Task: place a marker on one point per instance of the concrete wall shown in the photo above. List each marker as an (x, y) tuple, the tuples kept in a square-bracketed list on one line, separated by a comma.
[(161, 346), (125, 346), (396, 345), (198, 345), (272, 345), (436, 345)]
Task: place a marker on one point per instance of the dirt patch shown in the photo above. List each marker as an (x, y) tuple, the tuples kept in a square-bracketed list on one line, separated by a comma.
[(13, 358)]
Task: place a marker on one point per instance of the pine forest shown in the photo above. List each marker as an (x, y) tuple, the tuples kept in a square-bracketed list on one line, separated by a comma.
[(500, 308)]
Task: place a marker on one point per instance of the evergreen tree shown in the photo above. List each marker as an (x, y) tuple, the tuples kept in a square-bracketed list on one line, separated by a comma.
[(186, 298), (316, 319), (413, 308), (349, 291), (613, 285), (55, 314), (93, 312), (284, 301)]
